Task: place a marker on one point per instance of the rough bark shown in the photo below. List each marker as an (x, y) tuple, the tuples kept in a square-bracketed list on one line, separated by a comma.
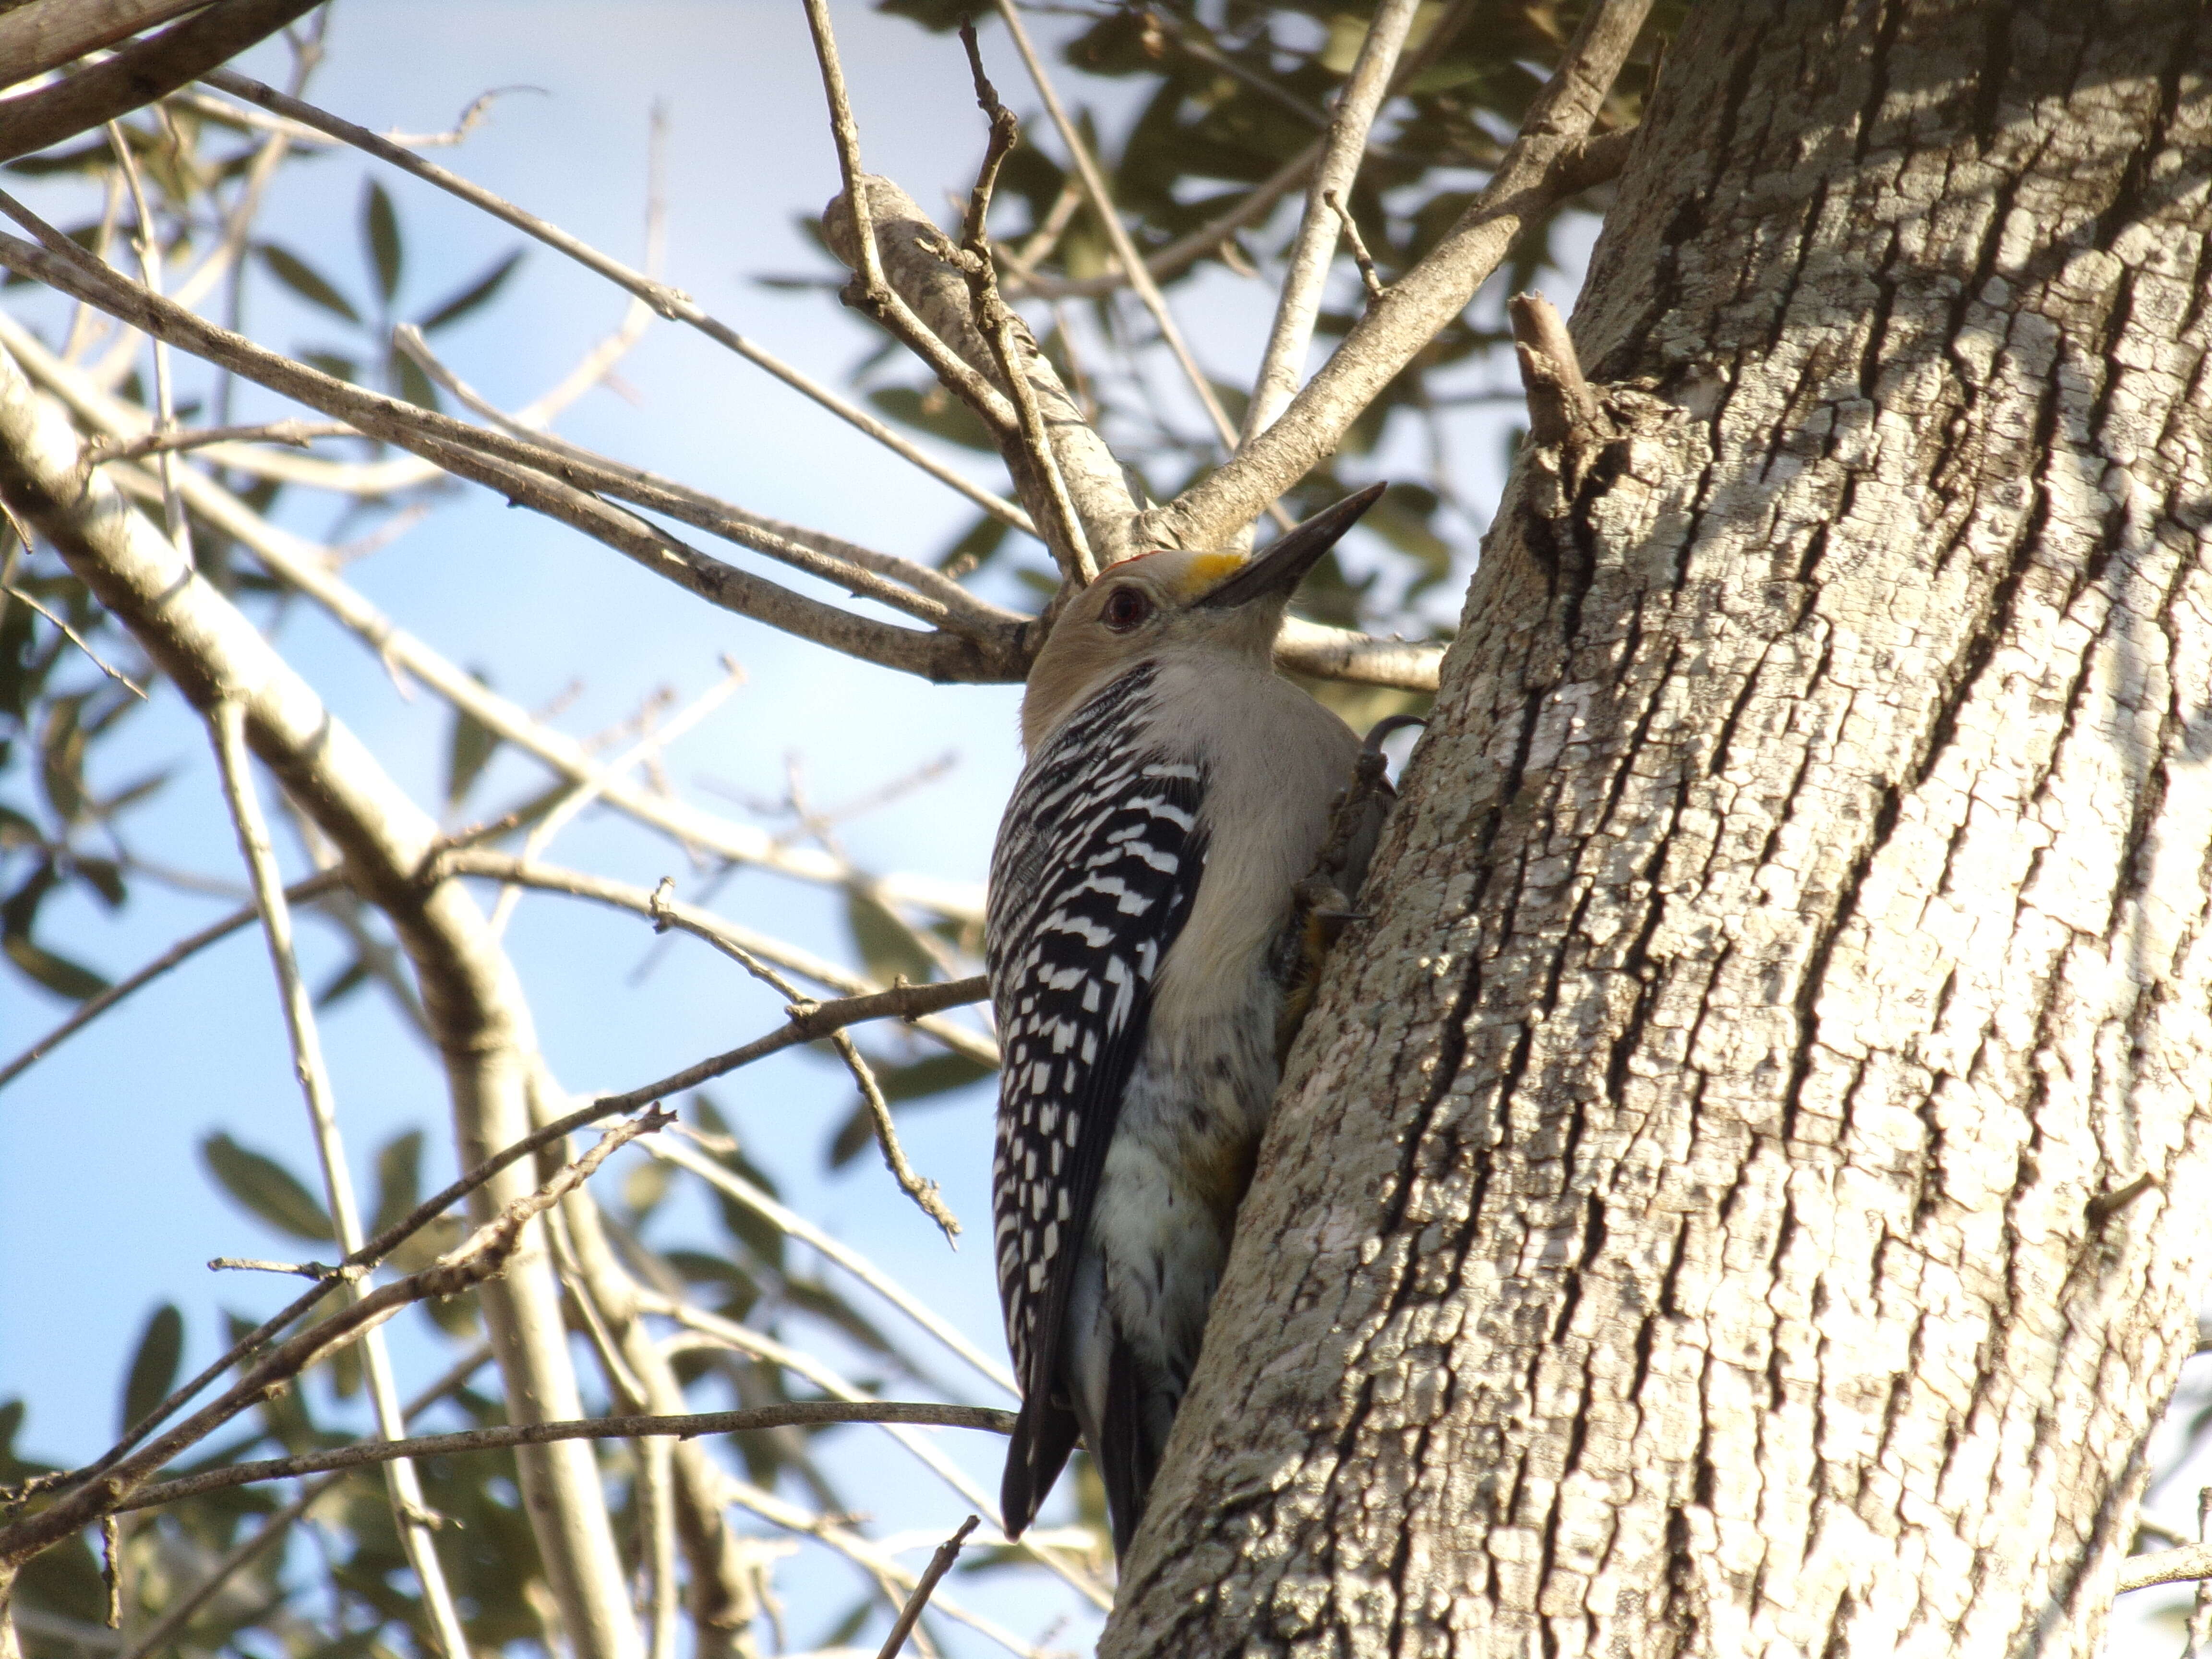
[(1685, 1229)]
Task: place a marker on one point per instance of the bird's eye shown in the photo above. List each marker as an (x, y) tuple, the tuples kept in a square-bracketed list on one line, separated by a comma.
[(1126, 608)]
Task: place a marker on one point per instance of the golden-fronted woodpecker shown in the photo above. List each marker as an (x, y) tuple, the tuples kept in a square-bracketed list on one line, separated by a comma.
[(1144, 940)]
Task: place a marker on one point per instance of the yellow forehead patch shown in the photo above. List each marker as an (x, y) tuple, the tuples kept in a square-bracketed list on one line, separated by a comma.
[(1208, 570)]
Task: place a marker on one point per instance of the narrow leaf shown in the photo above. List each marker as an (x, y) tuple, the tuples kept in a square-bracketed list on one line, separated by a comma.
[(154, 1368), (469, 749), (399, 1178), (266, 1189), (305, 281), (380, 229), (477, 294)]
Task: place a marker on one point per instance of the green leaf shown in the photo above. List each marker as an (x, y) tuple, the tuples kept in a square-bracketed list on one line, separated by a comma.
[(933, 410), (477, 294), (379, 229), (468, 747), (305, 281), (57, 974), (886, 944), (343, 983), (264, 1187), (105, 877), (398, 1178), (154, 1368)]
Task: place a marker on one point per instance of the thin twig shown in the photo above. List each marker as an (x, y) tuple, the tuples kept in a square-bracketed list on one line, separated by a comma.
[(298, 434), (1538, 169), (785, 1220), (939, 1565), (148, 244), (687, 1426), (670, 302), (78, 641), (570, 806), (1306, 279), (183, 951), (803, 1014), (484, 1253), (864, 999), (915, 589), (1109, 218), (1370, 278), (996, 320), (180, 1610), (405, 1487)]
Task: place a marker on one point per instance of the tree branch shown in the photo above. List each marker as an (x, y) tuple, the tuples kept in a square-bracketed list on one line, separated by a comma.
[(140, 73), (213, 654), (1534, 175), (939, 1565), (863, 1001), (35, 39), (685, 1426), (670, 302), (477, 1259), (524, 473), (1314, 249)]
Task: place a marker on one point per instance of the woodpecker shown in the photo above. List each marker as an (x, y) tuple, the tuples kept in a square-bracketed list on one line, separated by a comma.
[(1146, 946)]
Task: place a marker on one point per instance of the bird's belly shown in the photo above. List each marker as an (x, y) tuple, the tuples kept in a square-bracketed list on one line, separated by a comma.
[(1175, 1171)]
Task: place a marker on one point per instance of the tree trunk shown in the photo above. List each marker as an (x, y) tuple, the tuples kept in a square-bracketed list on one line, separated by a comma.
[(1704, 1216)]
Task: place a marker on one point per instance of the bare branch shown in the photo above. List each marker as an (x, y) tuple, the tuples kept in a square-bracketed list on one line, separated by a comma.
[(939, 1565), (36, 38), (864, 1000), (79, 641), (404, 1486), (2176, 1567), (1071, 547), (524, 473), (180, 1611), (141, 73), (923, 265), (1370, 278), (733, 1185), (1529, 181), (670, 302), (1101, 206), (1314, 249), (686, 1426), (1185, 251), (212, 653), (298, 434), (926, 594), (480, 1257)]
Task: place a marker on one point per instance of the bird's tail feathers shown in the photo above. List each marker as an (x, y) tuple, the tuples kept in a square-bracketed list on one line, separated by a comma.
[(1044, 1434)]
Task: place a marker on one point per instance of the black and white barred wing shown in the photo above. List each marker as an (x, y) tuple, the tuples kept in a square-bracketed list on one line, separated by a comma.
[(1098, 860)]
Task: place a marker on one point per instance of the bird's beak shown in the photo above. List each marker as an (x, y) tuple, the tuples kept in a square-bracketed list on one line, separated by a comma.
[(1296, 550)]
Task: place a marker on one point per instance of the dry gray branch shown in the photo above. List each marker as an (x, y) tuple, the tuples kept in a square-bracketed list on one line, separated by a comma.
[(211, 652), (1313, 250), (141, 73), (1542, 166), (524, 473), (226, 722), (939, 1565), (670, 302), (685, 1426)]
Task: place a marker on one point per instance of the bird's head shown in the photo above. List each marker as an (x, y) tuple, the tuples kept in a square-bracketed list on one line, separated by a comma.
[(1157, 605)]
